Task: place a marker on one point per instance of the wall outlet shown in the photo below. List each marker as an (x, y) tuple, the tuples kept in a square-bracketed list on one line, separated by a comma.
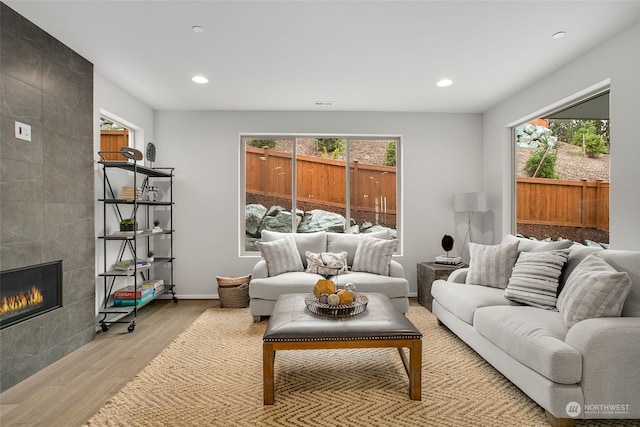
[(23, 131)]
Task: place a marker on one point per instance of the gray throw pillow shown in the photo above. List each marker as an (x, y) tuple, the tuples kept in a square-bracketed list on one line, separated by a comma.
[(535, 278), (594, 289), (529, 245), (281, 255), (326, 263), (374, 255), (491, 265)]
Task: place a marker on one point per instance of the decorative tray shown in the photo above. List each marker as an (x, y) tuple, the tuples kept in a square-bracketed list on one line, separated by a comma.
[(342, 310)]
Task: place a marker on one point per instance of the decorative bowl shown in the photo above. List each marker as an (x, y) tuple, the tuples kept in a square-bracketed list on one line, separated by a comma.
[(342, 310)]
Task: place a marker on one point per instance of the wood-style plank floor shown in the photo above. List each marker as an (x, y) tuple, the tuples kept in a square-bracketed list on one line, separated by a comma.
[(71, 390)]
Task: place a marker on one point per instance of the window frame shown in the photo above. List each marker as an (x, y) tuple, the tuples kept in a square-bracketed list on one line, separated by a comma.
[(294, 136)]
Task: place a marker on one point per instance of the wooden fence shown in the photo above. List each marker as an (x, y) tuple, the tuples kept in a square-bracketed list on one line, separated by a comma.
[(565, 203), (321, 181), (113, 140)]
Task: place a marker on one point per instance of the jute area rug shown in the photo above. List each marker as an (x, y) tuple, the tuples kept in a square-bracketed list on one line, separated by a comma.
[(211, 375)]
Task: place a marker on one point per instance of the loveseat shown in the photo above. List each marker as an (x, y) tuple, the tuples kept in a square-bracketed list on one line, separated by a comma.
[(577, 355), (366, 262)]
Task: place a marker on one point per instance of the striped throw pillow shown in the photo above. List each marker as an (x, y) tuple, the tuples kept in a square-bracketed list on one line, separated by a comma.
[(491, 265), (374, 255), (593, 289), (281, 255), (536, 277)]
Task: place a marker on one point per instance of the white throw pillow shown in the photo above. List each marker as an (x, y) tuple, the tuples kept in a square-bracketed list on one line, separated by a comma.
[(594, 289), (535, 278), (326, 263), (491, 265), (374, 255), (281, 255)]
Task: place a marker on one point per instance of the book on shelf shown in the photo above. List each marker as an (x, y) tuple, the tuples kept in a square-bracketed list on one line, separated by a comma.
[(131, 302), (145, 288), (130, 265), (133, 292), (127, 233), (446, 260)]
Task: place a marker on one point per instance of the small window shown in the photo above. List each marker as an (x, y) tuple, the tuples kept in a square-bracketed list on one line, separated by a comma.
[(113, 136)]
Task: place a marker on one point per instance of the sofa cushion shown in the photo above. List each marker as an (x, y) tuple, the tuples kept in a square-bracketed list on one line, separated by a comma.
[(491, 265), (312, 242), (463, 299), (392, 287), (529, 245), (374, 255), (338, 242), (535, 278), (594, 289), (270, 288), (534, 337), (281, 255), (326, 263)]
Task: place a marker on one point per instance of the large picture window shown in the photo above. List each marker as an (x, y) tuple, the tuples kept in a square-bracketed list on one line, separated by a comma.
[(562, 173), (304, 184)]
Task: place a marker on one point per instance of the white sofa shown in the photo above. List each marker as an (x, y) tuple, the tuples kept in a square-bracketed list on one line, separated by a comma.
[(264, 289), (589, 370)]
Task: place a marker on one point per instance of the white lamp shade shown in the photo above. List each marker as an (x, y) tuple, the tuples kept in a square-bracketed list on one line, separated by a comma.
[(470, 202)]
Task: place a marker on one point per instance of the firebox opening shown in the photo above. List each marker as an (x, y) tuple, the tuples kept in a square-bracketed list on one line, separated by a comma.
[(27, 292)]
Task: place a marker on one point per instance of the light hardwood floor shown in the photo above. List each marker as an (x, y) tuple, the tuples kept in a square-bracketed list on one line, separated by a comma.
[(71, 390)]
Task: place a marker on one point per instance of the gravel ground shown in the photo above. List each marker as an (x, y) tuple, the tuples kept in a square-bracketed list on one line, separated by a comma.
[(571, 164), (366, 152)]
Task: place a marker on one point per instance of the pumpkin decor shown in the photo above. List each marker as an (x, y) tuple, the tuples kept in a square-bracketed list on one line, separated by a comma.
[(346, 297), (324, 286)]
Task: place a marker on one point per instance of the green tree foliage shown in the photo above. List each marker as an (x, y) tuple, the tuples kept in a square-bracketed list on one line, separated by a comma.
[(588, 136), (594, 145), (390, 154), (331, 146), (261, 143), (571, 130), (548, 168)]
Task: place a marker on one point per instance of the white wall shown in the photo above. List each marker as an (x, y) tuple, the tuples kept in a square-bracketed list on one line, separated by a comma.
[(440, 156), (616, 61), (109, 98)]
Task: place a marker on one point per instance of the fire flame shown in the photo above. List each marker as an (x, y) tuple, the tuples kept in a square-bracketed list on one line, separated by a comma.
[(21, 301)]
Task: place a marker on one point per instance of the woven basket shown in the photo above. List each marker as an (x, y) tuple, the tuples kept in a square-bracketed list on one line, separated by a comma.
[(233, 291)]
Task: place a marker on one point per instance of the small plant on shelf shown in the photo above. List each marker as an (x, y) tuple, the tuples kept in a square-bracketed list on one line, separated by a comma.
[(150, 256), (128, 224)]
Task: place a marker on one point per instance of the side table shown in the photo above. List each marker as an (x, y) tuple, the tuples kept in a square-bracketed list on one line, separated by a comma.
[(427, 273)]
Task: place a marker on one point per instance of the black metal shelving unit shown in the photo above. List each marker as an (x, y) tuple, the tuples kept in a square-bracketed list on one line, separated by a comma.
[(131, 243)]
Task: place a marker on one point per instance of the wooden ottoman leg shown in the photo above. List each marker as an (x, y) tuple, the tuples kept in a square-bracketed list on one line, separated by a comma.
[(268, 360), (415, 376)]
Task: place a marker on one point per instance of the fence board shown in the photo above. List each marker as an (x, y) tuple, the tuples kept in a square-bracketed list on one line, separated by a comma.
[(566, 203), (321, 180)]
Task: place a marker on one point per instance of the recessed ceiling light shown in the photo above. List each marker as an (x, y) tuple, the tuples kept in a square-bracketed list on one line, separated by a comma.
[(200, 79), (444, 83), (558, 35), (197, 29)]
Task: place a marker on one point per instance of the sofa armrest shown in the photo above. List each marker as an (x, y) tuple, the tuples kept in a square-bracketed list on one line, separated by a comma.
[(610, 363), (396, 269), (458, 276), (260, 270)]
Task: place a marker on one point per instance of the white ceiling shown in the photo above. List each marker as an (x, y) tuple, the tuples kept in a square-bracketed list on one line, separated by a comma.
[(363, 55)]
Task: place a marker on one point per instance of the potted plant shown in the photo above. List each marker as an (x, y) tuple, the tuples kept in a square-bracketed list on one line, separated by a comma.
[(156, 226), (150, 257), (128, 224)]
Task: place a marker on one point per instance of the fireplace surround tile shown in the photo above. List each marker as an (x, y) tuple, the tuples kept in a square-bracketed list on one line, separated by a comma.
[(49, 87)]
